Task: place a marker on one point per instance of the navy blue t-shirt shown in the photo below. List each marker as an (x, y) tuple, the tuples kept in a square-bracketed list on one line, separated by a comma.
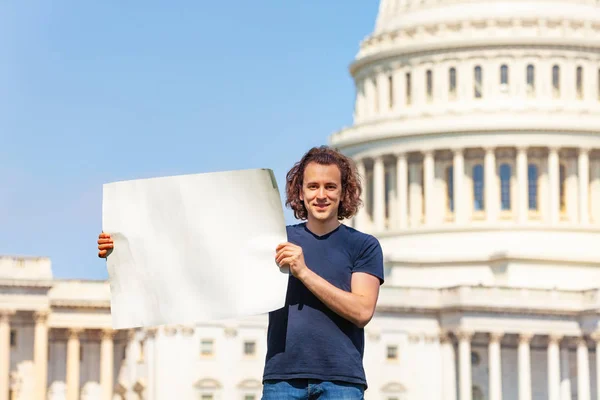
[(305, 338)]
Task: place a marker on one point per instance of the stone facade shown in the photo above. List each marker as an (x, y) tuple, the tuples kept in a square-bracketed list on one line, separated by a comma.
[(476, 134)]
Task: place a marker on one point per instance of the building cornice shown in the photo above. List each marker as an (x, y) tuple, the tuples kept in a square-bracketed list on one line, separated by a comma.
[(70, 303), (494, 300), (490, 121), (27, 283), (417, 36)]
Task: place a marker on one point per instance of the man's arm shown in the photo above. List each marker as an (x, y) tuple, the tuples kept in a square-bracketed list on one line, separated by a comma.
[(357, 306)]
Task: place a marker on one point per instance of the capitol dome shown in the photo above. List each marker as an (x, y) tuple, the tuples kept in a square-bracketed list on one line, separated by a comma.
[(476, 130)]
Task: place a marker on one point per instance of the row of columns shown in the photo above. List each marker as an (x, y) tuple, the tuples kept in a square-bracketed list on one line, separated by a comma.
[(106, 363), (491, 192), (558, 360), (40, 358)]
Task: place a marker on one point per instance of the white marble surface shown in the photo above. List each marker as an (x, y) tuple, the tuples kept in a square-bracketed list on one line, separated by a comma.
[(194, 248)]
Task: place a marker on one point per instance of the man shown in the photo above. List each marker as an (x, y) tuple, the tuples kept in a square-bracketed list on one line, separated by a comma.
[(315, 344)]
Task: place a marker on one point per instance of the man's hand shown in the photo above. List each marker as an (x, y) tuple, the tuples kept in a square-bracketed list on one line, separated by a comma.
[(291, 255), (105, 245)]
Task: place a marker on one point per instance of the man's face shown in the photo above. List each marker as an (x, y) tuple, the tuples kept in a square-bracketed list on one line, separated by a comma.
[(322, 191)]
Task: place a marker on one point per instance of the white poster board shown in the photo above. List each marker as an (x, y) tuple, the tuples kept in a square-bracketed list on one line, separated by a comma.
[(194, 248)]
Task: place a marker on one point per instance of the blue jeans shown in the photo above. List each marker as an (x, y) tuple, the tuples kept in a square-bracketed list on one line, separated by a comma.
[(309, 389)]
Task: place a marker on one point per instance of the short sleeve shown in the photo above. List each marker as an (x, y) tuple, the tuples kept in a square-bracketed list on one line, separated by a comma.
[(370, 258)]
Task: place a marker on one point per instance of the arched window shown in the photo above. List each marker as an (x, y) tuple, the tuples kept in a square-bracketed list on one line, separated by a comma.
[(505, 175), (478, 86), (452, 83), (450, 188), (579, 82), (408, 89), (532, 179), (504, 78), (556, 81), (563, 188), (429, 85), (478, 185), (530, 80)]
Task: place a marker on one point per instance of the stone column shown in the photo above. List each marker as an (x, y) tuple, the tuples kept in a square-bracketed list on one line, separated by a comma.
[(428, 177), (362, 215), (458, 169), (464, 362), (151, 362), (402, 190), (40, 353), (106, 363), (565, 379), (524, 366), (495, 368), (583, 370), (5, 352), (490, 181), (554, 177), (73, 364), (584, 182), (596, 338), (448, 367), (523, 185), (379, 194), (554, 367)]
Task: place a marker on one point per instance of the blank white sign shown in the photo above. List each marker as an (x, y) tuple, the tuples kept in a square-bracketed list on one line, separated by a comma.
[(194, 248)]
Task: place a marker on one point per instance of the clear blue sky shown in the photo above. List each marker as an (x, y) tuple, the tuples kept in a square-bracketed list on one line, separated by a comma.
[(95, 92)]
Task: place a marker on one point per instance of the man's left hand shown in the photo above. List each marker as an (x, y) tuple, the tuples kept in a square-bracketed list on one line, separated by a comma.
[(291, 255)]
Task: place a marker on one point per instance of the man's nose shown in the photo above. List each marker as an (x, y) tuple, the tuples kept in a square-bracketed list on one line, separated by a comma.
[(321, 193)]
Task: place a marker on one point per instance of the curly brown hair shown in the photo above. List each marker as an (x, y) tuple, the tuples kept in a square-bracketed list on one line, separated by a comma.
[(351, 182)]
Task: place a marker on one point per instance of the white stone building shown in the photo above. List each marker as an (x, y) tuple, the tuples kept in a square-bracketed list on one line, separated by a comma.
[(477, 128)]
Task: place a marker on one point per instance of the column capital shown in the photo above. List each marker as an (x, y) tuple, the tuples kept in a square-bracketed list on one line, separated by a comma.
[(458, 151), (581, 340), (522, 149), (5, 314), (525, 337), (595, 336), (41, 316), (464, 334), (490, 149), (170, 330), (73, 333), (553, 149), (496, 336), (444, 336), (584, 150), (402, 155), (131, 334), (555, 338), (108, 334), (428, 153), (151, 332)]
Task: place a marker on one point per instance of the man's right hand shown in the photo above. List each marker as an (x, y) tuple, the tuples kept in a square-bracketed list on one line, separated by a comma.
[(105, 244)]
